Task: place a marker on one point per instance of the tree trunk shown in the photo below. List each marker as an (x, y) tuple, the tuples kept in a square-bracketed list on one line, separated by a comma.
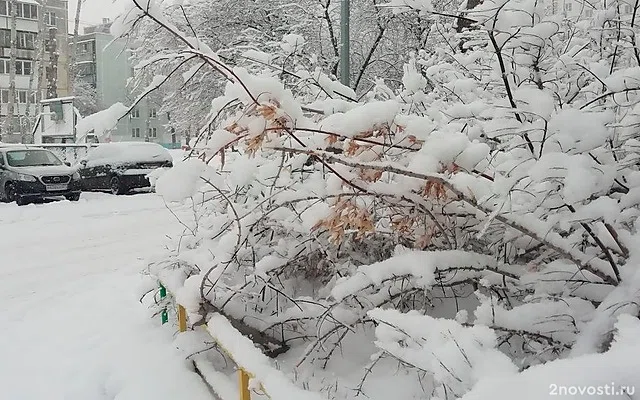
[(40, 60), (74, 47), (36, 73), (11, 106), (463, 22), (52, 69)]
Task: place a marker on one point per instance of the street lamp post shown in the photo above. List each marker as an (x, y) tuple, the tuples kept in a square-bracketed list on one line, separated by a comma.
[(344, 46)]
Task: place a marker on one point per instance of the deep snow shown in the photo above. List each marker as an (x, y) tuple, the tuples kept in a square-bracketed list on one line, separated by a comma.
[(71, 324)]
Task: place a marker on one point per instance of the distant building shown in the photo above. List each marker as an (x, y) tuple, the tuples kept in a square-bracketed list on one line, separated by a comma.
[(28, 17), (583, 8), (105, 65)]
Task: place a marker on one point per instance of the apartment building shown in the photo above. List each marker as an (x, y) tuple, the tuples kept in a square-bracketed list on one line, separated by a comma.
[(105, 65), (29, 24)]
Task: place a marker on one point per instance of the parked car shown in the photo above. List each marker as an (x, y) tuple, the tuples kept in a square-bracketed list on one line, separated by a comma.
[(122, 167), (30, 173)]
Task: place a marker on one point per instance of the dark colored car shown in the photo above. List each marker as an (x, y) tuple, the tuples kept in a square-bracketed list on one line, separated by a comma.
[(122, 167), (31, 173)]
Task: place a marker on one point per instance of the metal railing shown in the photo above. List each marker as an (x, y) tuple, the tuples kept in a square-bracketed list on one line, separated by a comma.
[(245, 374), (244, 377)]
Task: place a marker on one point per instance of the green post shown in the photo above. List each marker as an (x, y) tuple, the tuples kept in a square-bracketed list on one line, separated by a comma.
[(344, 45), (163, 291), (164, 315)]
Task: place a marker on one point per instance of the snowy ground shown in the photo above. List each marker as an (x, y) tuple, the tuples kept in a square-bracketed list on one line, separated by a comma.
[(72, 327)]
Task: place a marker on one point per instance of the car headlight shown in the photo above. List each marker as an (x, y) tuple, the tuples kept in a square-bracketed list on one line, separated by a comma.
[(26, 178), (76, 176)]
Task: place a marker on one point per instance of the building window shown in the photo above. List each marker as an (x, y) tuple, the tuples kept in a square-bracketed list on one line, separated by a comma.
[(25, 40), (23, 67), (27, 67), (628, 8), (28, 11), (50, 18), (567, 6), (153, 132), (588, 12), (135, 132), (21, 96), (135, 113), (153, 113), (5, 38)]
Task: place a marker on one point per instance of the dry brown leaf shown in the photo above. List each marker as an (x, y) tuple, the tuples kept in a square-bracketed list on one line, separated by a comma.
[(267, 111), (370, 175), (352, 148), (331, 139), (346, 216), (435, 190), (255, 143)]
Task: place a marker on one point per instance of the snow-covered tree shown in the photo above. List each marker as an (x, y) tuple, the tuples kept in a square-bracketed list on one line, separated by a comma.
[(473, 223), (86, 95)]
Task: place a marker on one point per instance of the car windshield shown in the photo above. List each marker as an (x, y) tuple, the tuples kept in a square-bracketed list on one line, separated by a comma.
[(32, 158)]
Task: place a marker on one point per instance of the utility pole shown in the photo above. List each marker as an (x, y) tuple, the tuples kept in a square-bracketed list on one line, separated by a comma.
[(344, 45)]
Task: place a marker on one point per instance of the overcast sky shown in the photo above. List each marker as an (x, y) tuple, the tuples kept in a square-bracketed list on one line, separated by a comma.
[(93, 11)]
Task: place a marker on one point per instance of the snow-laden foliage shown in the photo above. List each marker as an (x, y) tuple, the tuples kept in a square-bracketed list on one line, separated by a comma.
[(477, 222), (299, 40)]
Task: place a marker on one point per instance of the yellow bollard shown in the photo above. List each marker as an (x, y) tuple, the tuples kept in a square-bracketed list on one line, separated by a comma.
[(245, 394), (182, 318)]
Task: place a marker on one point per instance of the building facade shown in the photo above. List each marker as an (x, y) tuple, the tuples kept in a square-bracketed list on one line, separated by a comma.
[(31, 20), (104, 63), (584, 8)]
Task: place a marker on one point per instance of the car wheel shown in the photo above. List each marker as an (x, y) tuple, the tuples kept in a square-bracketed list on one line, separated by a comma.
[(11, 194), (73, 197), (115, 185)]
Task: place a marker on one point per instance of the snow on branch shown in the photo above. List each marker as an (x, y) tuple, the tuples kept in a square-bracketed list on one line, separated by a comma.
[(454, 356), (423, 266)]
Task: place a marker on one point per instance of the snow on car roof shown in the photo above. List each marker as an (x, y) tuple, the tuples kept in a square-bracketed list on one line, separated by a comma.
[(127, 152)]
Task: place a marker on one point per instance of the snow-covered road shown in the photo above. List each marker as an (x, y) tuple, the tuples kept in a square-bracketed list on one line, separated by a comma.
[(71, 326)]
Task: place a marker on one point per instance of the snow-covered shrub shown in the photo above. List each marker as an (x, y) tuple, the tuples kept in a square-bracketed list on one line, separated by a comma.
[(478, 222)]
